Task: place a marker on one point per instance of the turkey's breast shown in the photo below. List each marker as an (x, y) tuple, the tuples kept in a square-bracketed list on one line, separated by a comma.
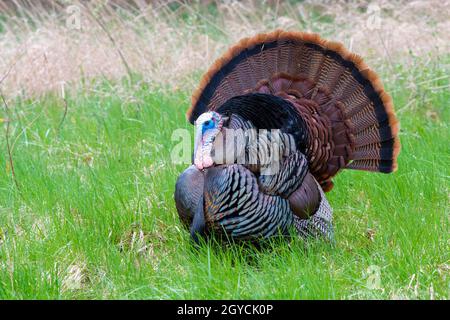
[(235, 204)]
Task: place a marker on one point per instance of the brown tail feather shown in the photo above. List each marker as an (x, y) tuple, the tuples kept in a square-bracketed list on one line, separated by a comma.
[(350, 117)]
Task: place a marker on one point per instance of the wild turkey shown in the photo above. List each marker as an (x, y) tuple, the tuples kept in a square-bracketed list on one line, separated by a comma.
[(331, 111)]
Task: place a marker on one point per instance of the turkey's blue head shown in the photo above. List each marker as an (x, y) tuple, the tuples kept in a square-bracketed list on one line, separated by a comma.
[(208, 126)]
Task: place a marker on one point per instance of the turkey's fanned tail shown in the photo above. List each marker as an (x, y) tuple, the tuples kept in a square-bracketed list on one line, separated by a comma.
[(350, 118)]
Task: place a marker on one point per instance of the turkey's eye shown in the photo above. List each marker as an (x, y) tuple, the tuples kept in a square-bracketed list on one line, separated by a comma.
[(208, 124)]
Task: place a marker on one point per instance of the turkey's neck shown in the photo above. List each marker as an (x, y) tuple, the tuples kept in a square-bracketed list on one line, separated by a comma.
[(240, 142)]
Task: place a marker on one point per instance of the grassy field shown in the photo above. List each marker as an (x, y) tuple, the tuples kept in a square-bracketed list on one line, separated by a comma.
[(95, 216), (90, 213)]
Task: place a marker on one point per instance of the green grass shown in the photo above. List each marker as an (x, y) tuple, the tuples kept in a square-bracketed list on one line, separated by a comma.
[(95, 216)]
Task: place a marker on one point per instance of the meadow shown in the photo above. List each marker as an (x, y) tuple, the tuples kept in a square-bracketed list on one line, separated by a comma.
[(87, 180)]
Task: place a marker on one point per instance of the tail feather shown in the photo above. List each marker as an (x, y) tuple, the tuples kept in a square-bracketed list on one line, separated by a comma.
[(350, 117), (374, 152), (330, 74)]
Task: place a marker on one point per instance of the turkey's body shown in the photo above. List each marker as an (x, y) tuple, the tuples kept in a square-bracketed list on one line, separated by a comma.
[(325, 110), (234, 204)]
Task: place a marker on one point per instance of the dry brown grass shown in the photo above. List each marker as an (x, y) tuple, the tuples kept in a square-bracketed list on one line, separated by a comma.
[(169, 42)]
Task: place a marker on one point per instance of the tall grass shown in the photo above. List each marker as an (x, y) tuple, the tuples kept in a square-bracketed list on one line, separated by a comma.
[(170, 42)]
